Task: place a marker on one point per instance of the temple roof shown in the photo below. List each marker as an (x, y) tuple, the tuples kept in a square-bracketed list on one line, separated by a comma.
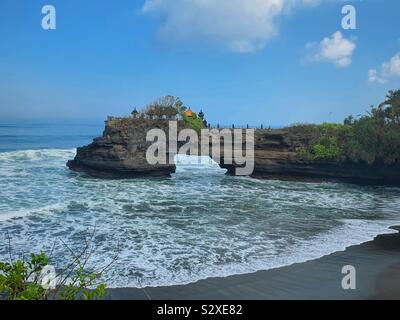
[(188, 113)]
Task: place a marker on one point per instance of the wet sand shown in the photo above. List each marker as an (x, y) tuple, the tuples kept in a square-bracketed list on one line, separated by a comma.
[(377, 265)]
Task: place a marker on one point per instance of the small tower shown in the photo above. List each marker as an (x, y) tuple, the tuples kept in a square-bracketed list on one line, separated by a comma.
[(135, 113), (201, 115)]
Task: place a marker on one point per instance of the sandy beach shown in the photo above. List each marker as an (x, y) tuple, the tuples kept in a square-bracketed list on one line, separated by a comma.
[(377, 264)]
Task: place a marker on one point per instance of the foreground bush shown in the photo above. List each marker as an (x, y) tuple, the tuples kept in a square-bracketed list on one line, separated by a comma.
[(20, 280), (36, 279)]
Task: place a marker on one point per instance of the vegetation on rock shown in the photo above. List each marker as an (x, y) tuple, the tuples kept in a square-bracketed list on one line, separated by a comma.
[(194, 122), (372, 138), (166, 107), (170, 108)]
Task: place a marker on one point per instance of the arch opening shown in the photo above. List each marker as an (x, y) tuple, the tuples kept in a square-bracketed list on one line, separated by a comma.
[(197, 165)]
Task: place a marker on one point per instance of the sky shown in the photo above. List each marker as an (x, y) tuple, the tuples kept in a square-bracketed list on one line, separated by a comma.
[(275, 62)]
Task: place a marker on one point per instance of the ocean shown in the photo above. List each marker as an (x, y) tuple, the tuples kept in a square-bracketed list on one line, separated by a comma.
[(198, 224)]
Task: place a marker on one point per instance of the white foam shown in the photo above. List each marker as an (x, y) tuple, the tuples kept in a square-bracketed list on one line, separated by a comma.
[(198, 224), (39, 154), (353, 232), (4, 216)]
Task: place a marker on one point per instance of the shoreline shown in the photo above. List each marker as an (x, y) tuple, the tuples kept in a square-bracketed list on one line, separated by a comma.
[(377, 264)]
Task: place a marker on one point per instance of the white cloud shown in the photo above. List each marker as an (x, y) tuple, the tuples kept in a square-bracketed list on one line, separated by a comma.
[(239, 25), (335, 49), (389, 69), (373, 76)]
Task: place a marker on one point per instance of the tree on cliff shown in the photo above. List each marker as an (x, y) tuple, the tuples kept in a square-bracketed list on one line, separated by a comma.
[(165, 107), (373, 138), (392, 106)]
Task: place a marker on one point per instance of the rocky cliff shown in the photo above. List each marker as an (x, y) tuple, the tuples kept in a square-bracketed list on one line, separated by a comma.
[(121, 153), (278, 155)]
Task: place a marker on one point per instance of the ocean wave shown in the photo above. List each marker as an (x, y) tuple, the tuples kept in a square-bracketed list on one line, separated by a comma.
[(41, 211), (39, 154), (196, 225), (352, 232)]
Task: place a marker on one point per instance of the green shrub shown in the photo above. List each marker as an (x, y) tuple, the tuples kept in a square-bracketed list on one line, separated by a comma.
[(329, 142), (194, 122), (322, 152), (20, 280), (31, 280)]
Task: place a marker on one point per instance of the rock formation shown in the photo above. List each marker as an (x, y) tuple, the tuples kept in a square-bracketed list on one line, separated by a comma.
[(121, 153), (278, 156)]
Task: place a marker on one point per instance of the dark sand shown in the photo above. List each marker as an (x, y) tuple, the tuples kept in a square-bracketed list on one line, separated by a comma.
[(378, 277)]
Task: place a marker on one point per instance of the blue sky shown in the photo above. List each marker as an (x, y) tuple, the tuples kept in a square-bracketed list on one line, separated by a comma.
[(241, 61)]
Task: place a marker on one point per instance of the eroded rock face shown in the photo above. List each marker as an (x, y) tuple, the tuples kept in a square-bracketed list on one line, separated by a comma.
[(278, 156), (121, 153)]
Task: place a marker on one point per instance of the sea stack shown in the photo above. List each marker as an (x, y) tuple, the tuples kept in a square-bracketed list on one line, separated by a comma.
[(121, 151)]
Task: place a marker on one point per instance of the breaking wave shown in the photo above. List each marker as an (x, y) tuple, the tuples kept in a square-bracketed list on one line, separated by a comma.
[(198, 224)]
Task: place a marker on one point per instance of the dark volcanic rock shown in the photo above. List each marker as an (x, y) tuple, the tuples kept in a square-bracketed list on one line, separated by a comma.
[(121, 151), (278, 156)]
